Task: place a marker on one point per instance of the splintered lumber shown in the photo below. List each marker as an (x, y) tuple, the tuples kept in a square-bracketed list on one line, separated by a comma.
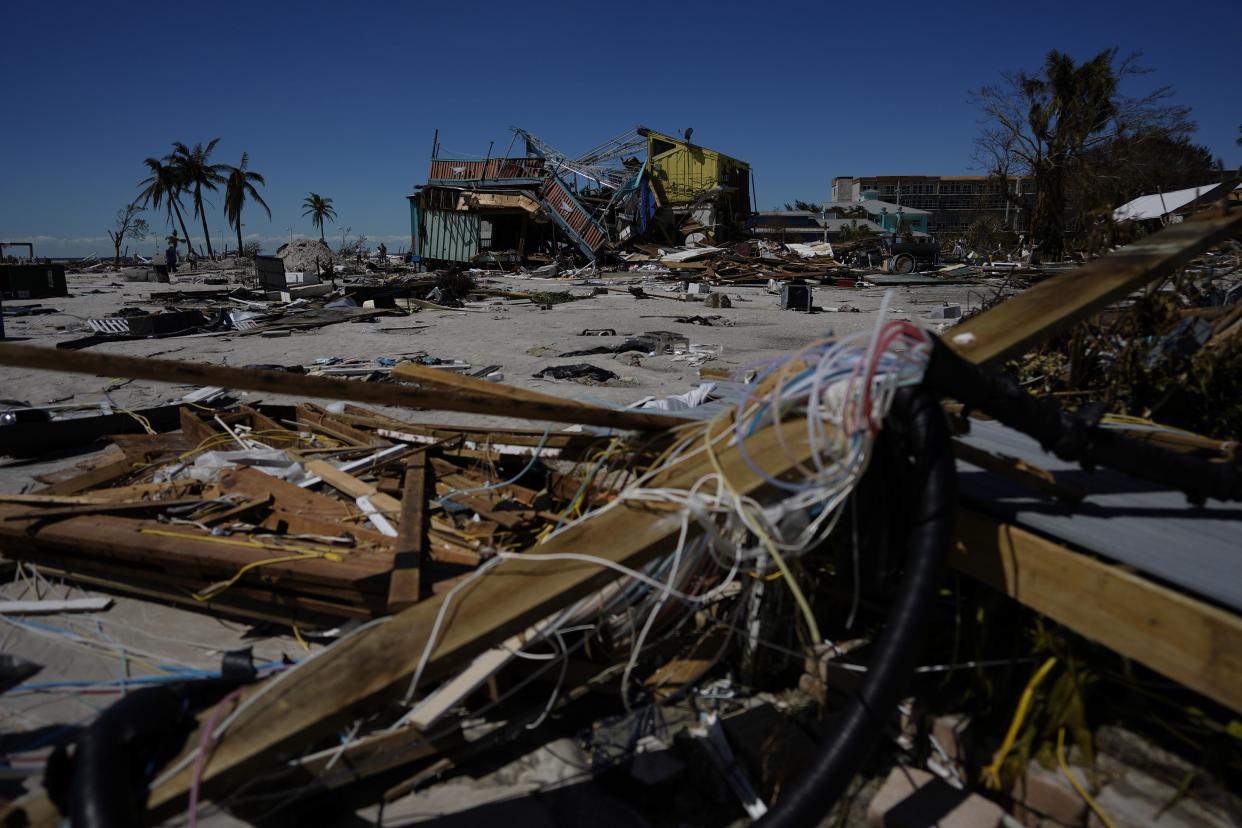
[(56, 512), (484, 398), (410, 559), (378, 663), (188, 549), (317, 419), (287, 497), (107, 473), (1181, 637), (1014, 326)]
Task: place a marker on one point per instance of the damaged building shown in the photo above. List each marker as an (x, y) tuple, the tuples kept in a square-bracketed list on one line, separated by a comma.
[(544, 205)]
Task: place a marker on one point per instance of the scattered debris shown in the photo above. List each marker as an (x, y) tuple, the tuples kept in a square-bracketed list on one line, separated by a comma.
[(579, 372)]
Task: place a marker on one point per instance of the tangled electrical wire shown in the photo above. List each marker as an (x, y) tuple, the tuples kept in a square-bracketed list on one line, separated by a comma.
[(841, 389)]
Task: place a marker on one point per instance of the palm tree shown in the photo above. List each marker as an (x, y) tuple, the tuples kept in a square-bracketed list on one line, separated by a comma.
[(163, 185), (319, 208), (239, 186), (196, 173)]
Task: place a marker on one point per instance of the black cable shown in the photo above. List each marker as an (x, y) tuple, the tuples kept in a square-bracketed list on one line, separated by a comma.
[(918, 419), (1076, 437)]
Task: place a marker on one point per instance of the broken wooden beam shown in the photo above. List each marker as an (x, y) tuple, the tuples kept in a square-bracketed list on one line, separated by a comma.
[(473, 400), (408, 586), (1184, 638)]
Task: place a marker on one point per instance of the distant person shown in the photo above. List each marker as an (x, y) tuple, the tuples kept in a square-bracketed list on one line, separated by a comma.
[(383, 253), (192, 260), (170, 258)]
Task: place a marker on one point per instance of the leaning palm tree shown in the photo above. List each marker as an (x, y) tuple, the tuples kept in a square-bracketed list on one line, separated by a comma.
[(318, 208), (197, 173), (163, 186), (239, 187)]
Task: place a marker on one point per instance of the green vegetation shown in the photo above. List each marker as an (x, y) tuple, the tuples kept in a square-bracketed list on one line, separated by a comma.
[(318, 208), (238, 187)]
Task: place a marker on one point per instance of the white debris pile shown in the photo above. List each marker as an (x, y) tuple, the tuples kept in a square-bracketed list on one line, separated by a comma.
[(302, 255)]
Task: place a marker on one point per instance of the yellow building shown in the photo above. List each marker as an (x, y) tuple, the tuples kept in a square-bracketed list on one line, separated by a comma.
[(687, 176)]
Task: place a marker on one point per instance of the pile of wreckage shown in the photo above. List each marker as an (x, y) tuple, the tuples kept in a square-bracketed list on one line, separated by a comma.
[(545, 206), (503, 574)]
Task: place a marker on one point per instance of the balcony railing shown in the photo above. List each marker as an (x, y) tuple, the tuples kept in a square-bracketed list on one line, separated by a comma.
[(494, 169)]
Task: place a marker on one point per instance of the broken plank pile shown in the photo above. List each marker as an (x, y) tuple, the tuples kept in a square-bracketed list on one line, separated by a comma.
[(291, 514)]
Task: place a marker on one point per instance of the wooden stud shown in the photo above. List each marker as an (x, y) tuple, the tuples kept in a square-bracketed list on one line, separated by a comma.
[(1186, 639), (409, 584)]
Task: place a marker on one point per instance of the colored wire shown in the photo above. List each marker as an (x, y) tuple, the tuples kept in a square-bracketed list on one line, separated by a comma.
[(991, 774), (1082, 791)]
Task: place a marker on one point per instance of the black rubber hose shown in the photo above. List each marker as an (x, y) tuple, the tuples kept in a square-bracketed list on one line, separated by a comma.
[(929, 516), (106, 783), (1075, 437)]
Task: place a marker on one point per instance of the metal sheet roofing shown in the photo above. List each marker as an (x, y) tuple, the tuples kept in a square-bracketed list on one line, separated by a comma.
[(1157, 205), (1148, 527)]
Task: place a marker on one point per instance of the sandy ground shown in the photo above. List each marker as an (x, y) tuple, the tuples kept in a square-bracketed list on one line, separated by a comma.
[(518, 337), (135, 637)]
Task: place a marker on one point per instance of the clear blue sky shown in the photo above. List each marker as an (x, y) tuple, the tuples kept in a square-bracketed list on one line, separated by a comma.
[(342, 98)]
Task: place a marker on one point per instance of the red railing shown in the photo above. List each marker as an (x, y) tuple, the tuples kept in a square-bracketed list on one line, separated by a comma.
[(446, 169), (557, 197)]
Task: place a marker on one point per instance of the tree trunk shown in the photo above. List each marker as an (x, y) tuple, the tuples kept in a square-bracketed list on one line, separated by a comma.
[(184, 231), (321, 238), (1048, 223), (202, 214), (116, 244), (239, 249)]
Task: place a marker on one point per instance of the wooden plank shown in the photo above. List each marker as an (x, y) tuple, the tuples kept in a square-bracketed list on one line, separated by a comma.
[(519, 398), (288, 523), (198, 432), (44, 607), (121, 538), (484, 398), (1036, 314), (108, 473), (104, 508), (345, 482), (261, 422), (232, 513), (409, 561), (317, 419), (266, 605), (287, 497), (1019, 471), (1186, 639)]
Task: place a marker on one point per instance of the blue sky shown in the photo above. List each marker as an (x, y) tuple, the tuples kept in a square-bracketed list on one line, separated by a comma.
[(342, 98)]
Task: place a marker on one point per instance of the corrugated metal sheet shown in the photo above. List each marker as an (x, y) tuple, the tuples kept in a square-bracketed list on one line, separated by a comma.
[(561, 202), (444, 235), (447, 169)]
